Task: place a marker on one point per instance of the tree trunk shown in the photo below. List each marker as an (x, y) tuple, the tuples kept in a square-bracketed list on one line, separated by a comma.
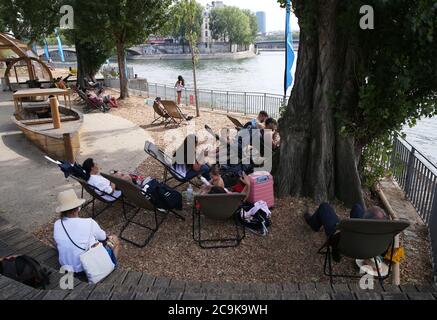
[(316, 161), (81, 72), (121, 57), (193, 60)]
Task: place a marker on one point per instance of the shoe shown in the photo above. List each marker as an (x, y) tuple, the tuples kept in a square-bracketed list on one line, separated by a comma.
[(307, 218)]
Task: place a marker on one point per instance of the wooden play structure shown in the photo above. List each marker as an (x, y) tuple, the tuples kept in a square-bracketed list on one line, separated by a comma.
[(22, 65)]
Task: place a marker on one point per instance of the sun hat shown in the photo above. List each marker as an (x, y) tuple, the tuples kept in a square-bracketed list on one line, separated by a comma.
[(68, 200)]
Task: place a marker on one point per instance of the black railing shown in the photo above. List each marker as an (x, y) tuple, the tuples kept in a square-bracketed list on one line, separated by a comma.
[(417, 176)]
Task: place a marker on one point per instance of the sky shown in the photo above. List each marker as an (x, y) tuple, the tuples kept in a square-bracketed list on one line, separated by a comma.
[(275, 14)]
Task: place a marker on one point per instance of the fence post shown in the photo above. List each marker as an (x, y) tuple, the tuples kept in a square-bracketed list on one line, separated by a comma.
[(432, 229), (410, 170), (265, 102), (245, 103), (227, 101), (212, 99), (186, 97), (165, 92), (156, 89)]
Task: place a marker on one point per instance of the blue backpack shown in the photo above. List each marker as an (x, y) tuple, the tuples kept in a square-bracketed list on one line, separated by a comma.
[(163, 196)]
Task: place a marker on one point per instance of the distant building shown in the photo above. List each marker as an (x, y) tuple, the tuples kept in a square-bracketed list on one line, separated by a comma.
[(261, 17), (205, 34)]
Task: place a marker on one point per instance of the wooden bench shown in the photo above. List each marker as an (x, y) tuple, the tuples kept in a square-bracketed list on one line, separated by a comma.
[(47, 120)]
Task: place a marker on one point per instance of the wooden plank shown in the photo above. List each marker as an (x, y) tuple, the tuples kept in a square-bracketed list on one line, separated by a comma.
[(50, 253), (9, 234), (81, 294), (55, 295), (6, 251), (131, 281), (5, 229), (23, 244), (21, 293), (30, 249), (13, 242), (116, 277), (13, 235)]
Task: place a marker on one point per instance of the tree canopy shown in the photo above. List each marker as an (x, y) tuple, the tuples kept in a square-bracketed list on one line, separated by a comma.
[(29, 20), (234, 24)]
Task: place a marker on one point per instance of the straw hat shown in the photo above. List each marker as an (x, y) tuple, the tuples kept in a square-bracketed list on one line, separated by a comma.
[(68, 200)]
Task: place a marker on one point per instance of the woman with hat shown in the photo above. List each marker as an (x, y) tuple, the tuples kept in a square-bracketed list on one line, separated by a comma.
[(74, 235)]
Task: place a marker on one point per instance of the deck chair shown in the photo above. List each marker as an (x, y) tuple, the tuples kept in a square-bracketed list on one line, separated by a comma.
[(96, 194), (173, 111), (160, 113), (218, 207), (238, 125), (362, 239), (76, 172), (91, 105), (167, 162), (133, 196)]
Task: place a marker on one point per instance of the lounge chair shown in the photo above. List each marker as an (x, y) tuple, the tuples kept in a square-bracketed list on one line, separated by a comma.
[(238, 125), (133, 196), (76, 172), (96, 194), (362, 239), (167, 162), (160, 113), (173, 111), (91, 105), (218, 207)]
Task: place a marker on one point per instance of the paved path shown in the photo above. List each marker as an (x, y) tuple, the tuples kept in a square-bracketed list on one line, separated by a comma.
[(29, 183)]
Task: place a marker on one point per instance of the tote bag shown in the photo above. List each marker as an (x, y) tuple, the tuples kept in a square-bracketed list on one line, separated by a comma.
[(95, 260)]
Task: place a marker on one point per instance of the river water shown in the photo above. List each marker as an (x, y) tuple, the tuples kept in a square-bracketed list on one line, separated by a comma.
[(263, 73)]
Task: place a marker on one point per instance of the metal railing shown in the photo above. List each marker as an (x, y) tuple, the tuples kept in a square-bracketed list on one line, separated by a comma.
[(417, 176), (229, 101)]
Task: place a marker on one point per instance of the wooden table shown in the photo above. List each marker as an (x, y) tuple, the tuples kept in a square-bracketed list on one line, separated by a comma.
[(28, 93)]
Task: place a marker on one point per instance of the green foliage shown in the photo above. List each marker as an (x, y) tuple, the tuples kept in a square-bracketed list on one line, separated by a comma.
[(236, 25), (176, 24), (29, 20)]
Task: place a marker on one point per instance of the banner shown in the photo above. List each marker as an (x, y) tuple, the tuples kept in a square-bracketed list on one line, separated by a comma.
[(61, 52), (289, 52)]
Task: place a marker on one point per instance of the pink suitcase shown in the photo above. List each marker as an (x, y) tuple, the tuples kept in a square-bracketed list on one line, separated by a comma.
[(261, 188)]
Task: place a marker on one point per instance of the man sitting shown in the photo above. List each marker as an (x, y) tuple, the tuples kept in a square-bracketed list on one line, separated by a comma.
[(326, 217), (258, 122)]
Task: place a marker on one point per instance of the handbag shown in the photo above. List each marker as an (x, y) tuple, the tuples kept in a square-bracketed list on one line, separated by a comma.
[(95, 260)]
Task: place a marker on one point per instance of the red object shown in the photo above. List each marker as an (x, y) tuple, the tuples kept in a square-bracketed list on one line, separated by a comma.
[(261, 188), (191, 100), (239, 187)]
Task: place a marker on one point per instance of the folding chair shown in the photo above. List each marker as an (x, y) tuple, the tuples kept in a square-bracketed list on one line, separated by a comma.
[(133, 196), (362, 239), (167, 162), (173, 111), (218, 207), (162, 114), (238, 125), (96, 194)]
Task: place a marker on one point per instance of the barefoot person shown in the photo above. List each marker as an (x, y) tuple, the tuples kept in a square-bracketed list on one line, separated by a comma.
[(83, 232)]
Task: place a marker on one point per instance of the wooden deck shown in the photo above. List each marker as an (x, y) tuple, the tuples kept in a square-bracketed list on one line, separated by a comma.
[(132, 285)]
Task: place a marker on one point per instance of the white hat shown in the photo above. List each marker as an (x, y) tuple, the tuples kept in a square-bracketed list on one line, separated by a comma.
[(68, 200)]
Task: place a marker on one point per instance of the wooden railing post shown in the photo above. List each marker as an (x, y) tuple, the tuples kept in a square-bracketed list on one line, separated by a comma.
[(68, 146), (54, 106)]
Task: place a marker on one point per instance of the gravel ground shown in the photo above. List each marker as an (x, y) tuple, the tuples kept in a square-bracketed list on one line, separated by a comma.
[(287, 253)]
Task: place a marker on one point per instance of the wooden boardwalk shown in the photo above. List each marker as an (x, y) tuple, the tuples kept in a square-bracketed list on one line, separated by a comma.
[(132, 285)]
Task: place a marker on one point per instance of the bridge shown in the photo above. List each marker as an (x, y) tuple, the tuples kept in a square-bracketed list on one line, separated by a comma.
[(70, 52), (274, 45)]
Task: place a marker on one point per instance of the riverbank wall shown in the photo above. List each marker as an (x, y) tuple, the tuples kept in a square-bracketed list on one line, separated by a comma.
[(204, 56)]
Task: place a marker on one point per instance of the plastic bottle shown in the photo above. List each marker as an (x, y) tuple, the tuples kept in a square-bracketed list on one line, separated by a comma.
[(190, 194)]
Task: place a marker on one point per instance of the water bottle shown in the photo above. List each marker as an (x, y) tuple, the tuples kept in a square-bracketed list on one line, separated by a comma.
[(190, 195)]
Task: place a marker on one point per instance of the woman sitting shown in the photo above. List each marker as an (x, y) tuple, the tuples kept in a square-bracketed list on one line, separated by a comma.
[(107, 98), (102, 184), (185, 160), (74, 235)]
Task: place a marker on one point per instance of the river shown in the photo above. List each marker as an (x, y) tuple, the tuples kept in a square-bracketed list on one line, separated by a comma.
[(263, 73)]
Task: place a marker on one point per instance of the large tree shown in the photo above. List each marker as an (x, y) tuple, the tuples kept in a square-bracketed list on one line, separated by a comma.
[(92, 48), (128, 23), (233, 24), (352, 87)]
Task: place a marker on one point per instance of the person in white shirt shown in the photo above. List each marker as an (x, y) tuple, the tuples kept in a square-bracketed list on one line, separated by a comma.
[(96, 180), (74, 235)]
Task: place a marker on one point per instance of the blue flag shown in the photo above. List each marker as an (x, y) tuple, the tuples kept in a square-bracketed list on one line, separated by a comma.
[(46, 50), (289, 52), (61, 52)]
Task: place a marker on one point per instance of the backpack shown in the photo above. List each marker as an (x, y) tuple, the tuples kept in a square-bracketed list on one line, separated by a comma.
[(163, 196), (26, 270)]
